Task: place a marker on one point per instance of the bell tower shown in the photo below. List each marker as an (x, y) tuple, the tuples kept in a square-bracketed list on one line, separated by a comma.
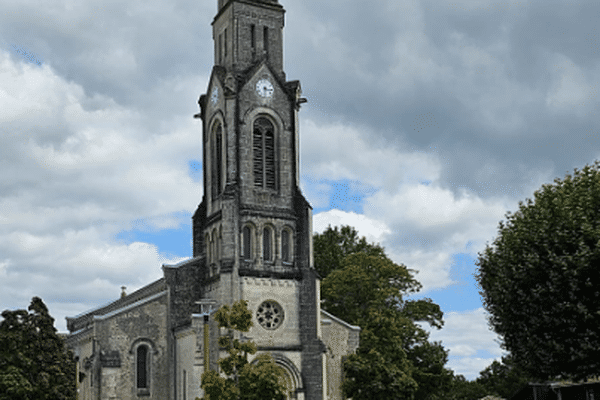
[(247, 32), (253, 228)]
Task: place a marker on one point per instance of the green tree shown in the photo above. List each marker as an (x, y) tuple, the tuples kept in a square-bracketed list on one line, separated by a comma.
[(539, 279), (364, 287), (34, 363), (504, 378), (260, 380), (331, 246), (462, 389)]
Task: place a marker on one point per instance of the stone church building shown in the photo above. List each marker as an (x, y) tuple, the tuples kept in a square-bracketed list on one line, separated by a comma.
[(252, 240)]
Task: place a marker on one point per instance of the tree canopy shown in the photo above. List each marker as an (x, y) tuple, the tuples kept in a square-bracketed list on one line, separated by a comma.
[(331, 246), (365, 288), (34, 363), (260, 380), (540, 279)]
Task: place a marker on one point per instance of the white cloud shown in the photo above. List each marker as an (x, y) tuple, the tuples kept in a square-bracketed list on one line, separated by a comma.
[(76, 170), (570, 91), (472, 345), (374, 231), (326, 151)]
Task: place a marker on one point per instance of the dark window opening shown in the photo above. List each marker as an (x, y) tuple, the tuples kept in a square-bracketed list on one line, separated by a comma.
[(246, 242), (219, 47), (285, 246), (267, 253), (266, 38), (252, 36), (217, 170), (225, 43), (184, 384), (142, 367), (263, 138)]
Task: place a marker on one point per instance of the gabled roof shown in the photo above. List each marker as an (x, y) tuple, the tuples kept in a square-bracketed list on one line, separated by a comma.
[(339, 321), (85, 319)]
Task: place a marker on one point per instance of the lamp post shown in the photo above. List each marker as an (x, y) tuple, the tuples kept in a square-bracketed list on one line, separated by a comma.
[(206, 308)]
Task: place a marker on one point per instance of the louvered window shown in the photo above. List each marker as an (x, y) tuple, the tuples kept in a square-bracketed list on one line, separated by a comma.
[(217, 156), (263, 145)]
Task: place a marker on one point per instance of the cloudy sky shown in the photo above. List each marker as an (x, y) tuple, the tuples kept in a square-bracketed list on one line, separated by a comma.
[(426, 121)]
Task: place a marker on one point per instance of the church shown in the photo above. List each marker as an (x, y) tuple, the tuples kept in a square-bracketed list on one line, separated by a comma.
[(252, 240)]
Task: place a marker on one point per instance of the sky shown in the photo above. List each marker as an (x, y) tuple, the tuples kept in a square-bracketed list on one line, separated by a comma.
[(426, 122)]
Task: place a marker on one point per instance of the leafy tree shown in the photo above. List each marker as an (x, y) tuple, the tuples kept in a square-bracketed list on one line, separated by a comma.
[(261, 380), (462, 389), (503, 379), (539, 279), (331, 246), (34, 363), (365, 288)]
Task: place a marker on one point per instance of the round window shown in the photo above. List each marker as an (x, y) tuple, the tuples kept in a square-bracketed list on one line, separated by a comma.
[(269, 314)]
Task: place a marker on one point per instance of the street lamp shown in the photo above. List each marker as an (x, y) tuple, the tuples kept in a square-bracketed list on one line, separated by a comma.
[(206, 308)]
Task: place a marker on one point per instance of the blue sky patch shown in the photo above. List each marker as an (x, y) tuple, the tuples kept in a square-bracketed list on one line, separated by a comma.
[(26, 54), (173, 242), (345, 194)]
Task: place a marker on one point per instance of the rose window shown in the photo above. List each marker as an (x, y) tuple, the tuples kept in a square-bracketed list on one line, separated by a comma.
[(269, 314)]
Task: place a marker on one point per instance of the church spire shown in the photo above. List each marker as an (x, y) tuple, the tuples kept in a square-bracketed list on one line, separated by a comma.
[(246, 32)]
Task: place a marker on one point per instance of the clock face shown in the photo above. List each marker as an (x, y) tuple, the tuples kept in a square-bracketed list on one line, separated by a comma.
[(264, 88), (214, 97)]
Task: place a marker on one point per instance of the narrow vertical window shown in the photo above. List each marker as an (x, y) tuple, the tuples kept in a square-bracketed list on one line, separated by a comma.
[(142, 367), (285, 245), (215, 251), (257, 148), (263, 138), (253, 37), (219, 48), (270, 159), (267, 253), (266, 38), (247, 243), (225, 44), (208, 248), (184, 384), (217, 156)]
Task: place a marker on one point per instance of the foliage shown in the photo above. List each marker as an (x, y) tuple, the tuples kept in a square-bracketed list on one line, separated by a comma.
[(395, 358), (503, 379), (462, 389), (34, 363), (259, 380), (331, 246), (539, 279)]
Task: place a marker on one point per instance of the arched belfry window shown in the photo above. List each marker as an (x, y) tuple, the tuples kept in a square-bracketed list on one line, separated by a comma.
[(263, 145), (217, 160)]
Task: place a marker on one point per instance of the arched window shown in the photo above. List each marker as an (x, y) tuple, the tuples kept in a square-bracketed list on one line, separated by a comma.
[(267, 244), (217, 157), (142, 367), (263, 146), (286, 246), (247, 243)]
